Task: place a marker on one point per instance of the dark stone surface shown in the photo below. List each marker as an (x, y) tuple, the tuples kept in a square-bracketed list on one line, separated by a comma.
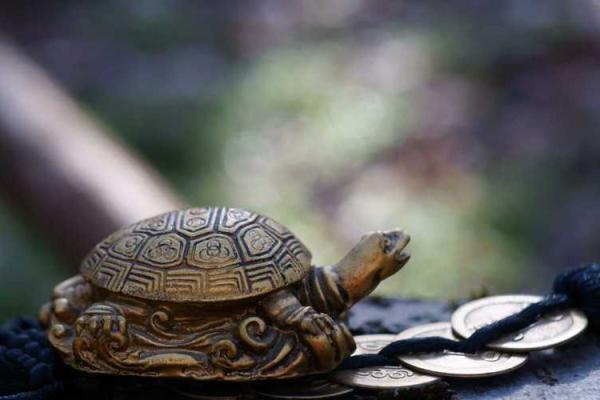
[(384, 315), (571, 371)]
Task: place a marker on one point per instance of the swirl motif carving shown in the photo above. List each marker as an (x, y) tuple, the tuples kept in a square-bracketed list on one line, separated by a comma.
[(385, 373), (372, 346), (166, 331), (158, 322), (252, 331)]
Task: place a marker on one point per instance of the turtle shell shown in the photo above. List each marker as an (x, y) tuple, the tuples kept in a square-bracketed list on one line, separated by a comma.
[(198, 255)]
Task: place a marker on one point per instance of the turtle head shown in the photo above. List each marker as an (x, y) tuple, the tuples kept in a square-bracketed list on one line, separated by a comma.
[(377, 256), (394, 256)]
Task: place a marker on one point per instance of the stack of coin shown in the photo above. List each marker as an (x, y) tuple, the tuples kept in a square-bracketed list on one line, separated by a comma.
[(502, 356)]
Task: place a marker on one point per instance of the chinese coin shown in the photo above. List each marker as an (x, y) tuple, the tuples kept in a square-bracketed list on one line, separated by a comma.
[(552, 330), (481, 364), (370, 344)]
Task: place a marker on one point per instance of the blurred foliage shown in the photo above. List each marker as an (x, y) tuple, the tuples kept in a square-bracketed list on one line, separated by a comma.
[(472, 125), (27, 267)]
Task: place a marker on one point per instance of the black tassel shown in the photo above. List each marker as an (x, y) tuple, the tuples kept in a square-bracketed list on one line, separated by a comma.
[(582, 287)]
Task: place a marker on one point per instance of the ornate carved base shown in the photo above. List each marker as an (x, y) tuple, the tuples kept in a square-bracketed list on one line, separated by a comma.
[(104, 332)]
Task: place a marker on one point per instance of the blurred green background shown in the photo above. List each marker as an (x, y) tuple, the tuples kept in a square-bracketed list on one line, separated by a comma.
[(473, 125)]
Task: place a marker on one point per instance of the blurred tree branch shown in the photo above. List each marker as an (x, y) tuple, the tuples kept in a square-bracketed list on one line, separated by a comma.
[(69, 175)]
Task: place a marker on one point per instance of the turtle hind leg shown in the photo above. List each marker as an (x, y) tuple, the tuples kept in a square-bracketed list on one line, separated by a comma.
[(101, 320)]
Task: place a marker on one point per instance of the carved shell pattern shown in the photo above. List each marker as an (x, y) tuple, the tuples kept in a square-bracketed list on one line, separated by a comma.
[(198, 254)]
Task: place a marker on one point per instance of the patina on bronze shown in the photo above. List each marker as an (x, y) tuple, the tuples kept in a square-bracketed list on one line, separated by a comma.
[(213, 294)]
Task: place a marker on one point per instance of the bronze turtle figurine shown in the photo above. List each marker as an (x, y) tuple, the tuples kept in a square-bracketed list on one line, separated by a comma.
[(213, 294)]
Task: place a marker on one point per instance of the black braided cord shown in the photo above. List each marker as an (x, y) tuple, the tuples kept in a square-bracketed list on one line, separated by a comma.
[(28, 365), (31, 370)]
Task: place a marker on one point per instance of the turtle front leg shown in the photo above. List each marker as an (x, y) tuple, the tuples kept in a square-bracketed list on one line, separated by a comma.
[(329, 341)]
